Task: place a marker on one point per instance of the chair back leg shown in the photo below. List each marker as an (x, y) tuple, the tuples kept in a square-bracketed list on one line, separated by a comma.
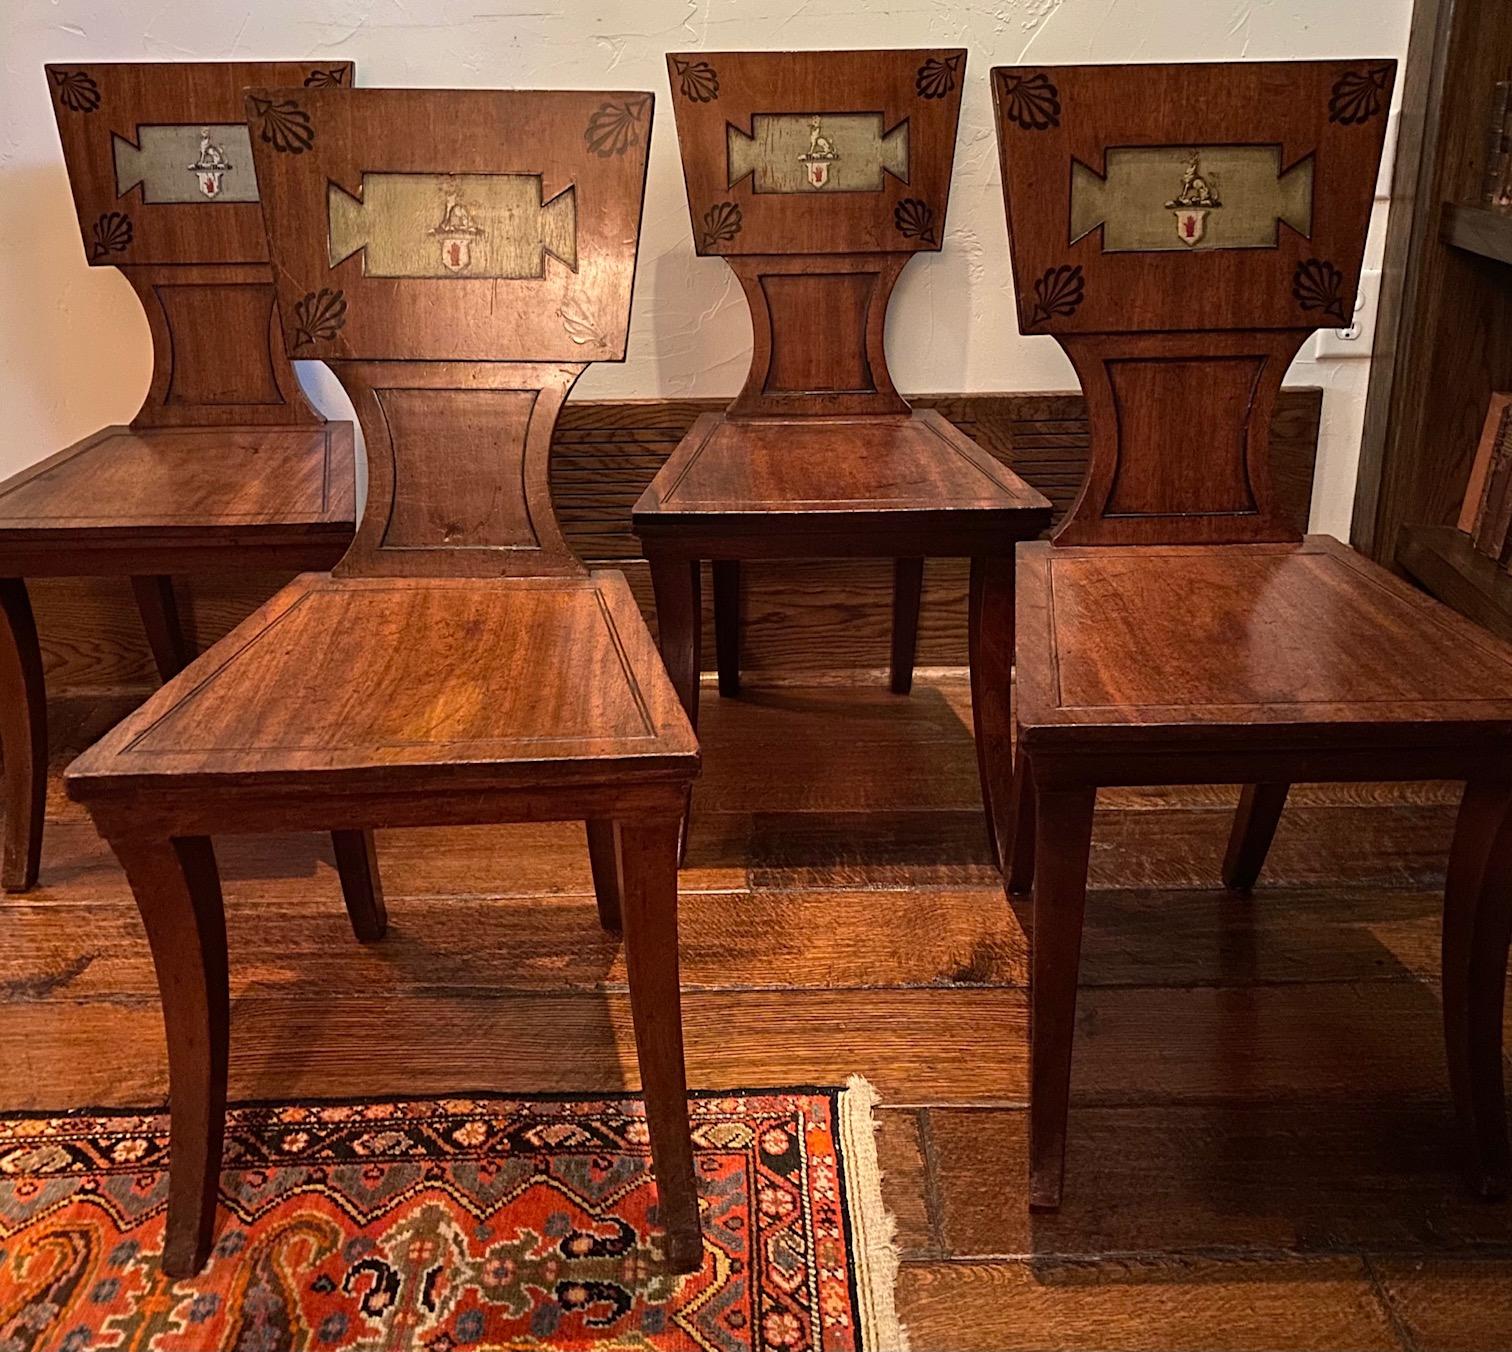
[(23, 737), (1477, 933), (908, 587), (603, 859), (158, 607), (361, 888), (727, 622), (1255, 822), (989, 641)]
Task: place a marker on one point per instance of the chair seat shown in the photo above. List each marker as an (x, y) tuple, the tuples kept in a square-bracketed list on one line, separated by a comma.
[(182, 482), (1219, 647), (818, 475), (456, 682)]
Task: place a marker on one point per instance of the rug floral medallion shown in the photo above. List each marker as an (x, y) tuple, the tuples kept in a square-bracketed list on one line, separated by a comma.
[(440, 1225)]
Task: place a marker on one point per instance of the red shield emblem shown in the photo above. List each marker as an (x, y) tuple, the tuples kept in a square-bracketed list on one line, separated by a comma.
[(1191, 224)]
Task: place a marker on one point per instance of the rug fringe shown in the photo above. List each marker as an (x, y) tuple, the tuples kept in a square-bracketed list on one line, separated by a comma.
[(872, 1228)]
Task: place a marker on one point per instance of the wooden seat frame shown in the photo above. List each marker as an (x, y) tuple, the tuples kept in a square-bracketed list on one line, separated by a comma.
[(457, 381), (818, 268), (1175, 630), (245, 474)]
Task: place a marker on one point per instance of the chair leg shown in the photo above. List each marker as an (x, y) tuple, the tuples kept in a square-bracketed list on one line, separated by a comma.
[(23, 737), (678, 587), (990, 643), (177, 890), (603, 859), (171, 649), (679, 624), (1020, 850), (1064, 835), (727, 625), (908, 585), (1477, 931), (1250, 839), (361, 886), (648, 858)]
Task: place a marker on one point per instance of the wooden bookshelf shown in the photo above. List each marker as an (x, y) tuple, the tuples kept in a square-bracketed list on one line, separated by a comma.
[(1443, 561), (1444, 332), (1478, 230)]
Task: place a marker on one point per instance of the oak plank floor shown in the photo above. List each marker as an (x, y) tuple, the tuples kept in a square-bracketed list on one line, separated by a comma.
[(1261, 1148)]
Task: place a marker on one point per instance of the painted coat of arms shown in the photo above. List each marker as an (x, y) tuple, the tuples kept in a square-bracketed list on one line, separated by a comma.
[(455, 234), (821, 154), (211, 166), (1198, 196)]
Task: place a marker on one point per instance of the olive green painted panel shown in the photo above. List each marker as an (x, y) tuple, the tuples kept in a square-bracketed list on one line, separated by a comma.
[(814, 152), (452, 225), (1158, 198), (186, 163)]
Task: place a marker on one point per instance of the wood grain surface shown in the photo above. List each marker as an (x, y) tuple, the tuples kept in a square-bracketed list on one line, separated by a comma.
[(1263, 1141), (603, 457)]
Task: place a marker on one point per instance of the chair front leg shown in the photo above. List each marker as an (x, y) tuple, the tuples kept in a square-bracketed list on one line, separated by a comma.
[(678, 588), (990, 644), (1063, 830), (727, 625), (908, 587), (1254, 828), (648, 860), (177, 890), (603, 859), (1477, 933), (158, 607), (361, 887), (23, 737)]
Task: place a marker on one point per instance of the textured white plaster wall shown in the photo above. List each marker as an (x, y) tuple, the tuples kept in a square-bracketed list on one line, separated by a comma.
[(74, 349)]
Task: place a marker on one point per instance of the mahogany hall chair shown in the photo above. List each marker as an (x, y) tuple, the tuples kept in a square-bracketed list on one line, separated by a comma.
[(225, 467), (816, 176), (1206, 219), (457, 258)]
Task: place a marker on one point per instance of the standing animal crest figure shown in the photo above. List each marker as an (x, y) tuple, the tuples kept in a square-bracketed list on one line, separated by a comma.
[(1196, 191), (821, 154), (211, 165)]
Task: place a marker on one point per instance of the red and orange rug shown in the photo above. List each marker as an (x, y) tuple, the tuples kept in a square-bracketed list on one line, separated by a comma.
[(449, 1224)]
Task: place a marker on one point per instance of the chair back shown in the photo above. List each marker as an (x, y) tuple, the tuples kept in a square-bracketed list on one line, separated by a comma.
[(458, 257), (163, 180), (817, 176), (1180, 230)]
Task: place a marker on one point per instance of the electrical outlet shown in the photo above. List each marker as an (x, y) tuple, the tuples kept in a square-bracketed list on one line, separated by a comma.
[(1357, 339)]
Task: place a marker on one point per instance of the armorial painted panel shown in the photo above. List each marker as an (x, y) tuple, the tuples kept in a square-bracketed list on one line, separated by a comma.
[(160, 163), (1207, 219), (455, 225), (159, 159), (458, 257), (817, 175)]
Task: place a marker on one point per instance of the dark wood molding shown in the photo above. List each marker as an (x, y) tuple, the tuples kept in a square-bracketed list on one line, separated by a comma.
[(1478, 230)]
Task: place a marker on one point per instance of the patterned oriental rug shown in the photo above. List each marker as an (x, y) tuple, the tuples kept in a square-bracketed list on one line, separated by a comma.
[(437, 1225)]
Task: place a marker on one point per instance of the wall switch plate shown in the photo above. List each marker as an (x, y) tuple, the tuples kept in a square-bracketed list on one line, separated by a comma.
[(1357, 340)]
